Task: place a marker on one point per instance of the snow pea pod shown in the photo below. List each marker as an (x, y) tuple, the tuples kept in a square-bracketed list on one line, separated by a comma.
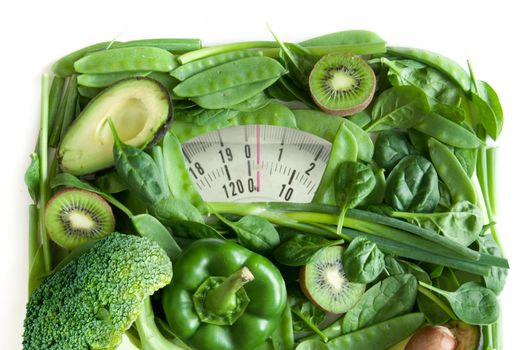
[(448, 132), (437, 61), (126, 59), (326, 127), (169, 44), (189, 69), (89, 92), (346, 37), (64, 66), (381, 335), (232, 96), (103, 80), (229, 75), (451, 172)]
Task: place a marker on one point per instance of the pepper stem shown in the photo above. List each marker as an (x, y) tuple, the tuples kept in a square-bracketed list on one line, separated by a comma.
[(222, 299)]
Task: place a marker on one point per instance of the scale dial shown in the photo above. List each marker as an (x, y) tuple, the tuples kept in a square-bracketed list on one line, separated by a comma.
[(257, 163)]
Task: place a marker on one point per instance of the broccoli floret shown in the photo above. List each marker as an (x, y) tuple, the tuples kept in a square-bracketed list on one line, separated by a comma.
[(92, 301)]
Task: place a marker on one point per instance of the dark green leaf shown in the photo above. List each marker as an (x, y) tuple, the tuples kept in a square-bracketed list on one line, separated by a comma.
[(398, 107), (390, 147), (388, 298), (301, 305), (171, 211), (256, 233), (195, 230), (413, 185), (497, 277), (300, 249), (110, 183), (148, 226), (353, 182), (462, 224), (363, 261)]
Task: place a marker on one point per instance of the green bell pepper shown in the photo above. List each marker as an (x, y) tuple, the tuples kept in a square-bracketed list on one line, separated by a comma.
[(223, 296)]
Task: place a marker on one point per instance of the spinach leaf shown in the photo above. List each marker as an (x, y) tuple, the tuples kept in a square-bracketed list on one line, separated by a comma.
[(363, 261), (354, 181), (172, 210), (398, 107), (462, 224), (255, 233), (497, 277), (472, 303), (300, 249), (413, 185), (437, 87), (148, 226), (487, 108), (376, 196), (138, 170), (390, 147), (110, 182), (393, 296), (195, 230)]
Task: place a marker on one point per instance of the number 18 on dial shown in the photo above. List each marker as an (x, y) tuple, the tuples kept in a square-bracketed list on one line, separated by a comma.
[(257, 163)]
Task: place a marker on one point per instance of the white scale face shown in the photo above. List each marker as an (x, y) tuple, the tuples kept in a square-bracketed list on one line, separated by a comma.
[(257, 163)]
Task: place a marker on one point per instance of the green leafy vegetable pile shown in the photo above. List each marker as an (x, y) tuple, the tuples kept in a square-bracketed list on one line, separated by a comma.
[(400, 234)]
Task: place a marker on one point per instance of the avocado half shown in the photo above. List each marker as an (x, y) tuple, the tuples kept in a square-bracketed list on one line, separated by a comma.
[(141, 110)]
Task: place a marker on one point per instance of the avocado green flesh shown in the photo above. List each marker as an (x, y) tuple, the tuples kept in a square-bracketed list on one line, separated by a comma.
[(138, 107)]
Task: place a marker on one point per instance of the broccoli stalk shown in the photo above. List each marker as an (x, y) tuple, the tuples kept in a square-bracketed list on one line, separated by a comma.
[(151, 337)]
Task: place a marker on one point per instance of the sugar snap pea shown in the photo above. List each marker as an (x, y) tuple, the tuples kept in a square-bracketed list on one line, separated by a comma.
[(89, 92), (103, 80), (148, 226), (169, 44), (381, 335), (232, 96), (440, 62), (64, 66), (451, 172), (229, 75), (447, 131), (346, 37), (126, 59), (187, 70)]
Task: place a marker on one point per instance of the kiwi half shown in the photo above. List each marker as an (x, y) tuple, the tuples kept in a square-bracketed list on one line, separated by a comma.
[(74, 217), (342, 84), (324, 282)]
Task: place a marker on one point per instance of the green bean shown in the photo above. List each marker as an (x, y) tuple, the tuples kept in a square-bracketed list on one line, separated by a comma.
[(448, 132), (88, 92), (214, 50), (283, 337), (229, 75), (451, 172), (126, 59), (229, 97), (103, 80), (441, 63), (33, 240), (64, 66), (187, 70), (169, 44), (381, 335)]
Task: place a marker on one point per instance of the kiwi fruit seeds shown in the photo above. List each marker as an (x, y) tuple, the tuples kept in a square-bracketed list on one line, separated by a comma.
[(342, 84), (74, 217)]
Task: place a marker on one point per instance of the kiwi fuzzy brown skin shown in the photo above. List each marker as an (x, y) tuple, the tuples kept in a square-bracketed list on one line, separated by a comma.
[(352, 109), (158, 135), (61, 237)]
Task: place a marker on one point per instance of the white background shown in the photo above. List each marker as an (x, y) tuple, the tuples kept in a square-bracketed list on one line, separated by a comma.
[(34, 34)]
